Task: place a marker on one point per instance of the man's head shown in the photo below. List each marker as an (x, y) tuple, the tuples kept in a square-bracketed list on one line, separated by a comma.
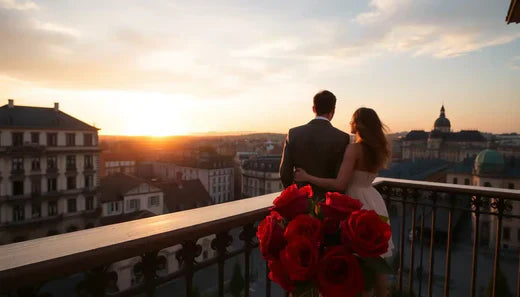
[(324, 104)]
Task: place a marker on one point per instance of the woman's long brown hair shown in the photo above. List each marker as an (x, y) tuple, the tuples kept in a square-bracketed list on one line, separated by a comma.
[(371, 131)]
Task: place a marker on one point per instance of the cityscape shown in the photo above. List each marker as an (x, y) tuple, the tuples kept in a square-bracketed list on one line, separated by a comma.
[(126, 201)]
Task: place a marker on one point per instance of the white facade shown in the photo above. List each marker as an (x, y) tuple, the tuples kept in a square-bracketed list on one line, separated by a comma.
[(48, 177), (217, 181), (143, 197)]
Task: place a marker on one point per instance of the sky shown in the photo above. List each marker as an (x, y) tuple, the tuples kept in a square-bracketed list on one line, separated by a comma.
[(178, 67)]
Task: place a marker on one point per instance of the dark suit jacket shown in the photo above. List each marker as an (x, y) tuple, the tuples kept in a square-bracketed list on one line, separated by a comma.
[(317, 147)]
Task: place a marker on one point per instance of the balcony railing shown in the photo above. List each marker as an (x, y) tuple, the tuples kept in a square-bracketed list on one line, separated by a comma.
[(439, 230)]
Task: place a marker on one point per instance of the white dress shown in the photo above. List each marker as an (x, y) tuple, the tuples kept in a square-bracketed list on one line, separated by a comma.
[(360, 187)]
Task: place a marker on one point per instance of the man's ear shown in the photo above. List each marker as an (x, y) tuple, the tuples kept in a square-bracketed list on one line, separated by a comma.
[(331, 114), (314, 109)]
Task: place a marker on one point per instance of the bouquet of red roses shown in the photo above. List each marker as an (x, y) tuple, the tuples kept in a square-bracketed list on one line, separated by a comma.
[(332, 247)]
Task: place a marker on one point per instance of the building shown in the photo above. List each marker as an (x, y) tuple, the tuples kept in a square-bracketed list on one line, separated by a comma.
[(49, 164), (124, 197), (442, 143), (184, 194), (491, 169), (260, 176), (215, 172)]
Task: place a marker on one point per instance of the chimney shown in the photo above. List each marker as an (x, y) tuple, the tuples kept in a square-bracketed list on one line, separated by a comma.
[(56, 106), (179, 179), (10, 103)]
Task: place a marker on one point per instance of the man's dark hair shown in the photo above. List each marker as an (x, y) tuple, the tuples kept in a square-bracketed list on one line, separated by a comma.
[(324, 102)]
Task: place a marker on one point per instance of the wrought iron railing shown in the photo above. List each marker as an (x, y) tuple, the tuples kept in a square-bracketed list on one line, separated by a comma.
[(430, 221)]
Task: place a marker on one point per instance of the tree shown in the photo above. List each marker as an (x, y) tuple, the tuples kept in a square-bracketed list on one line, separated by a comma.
[(236, 285), (502, 286)]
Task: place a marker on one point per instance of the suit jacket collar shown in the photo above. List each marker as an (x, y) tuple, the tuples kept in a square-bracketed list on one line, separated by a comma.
[(319, 122)]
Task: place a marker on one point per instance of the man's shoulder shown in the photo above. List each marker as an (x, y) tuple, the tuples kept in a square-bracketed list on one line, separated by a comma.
[(341, 134), (298, 129)]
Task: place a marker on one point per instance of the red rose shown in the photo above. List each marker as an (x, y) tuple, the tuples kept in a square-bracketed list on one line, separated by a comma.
[(270, 236), (330, 226), (366, 233), (299, 258), (339, 274), (306, 226), (278, 275), (338, 206), (293, 201)]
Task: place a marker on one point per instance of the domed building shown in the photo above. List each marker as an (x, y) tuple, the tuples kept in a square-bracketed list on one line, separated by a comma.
[(442, 143), (442, 124), (491, 168)]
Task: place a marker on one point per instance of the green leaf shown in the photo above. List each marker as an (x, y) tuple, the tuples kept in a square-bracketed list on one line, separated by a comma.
[(306, 289), (384, 219), (379, 265)]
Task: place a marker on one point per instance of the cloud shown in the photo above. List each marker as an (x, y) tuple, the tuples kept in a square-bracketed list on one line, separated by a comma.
[(515, 63), (441, 29), (18, 5)]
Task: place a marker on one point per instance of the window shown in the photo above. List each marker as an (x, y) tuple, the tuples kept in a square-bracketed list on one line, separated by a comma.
[(52, 139), (455, 180), (89, 181), (466, 181), (71, 162), (153, 201), (88, 162), (36, 187), (71, 205), (35, 137), (52, 208), (511, 186), (18, 213), (71, 183), (113, 207), (133, 204), (35, 164), (87, 139), (36, 210), (507, 233), (17, 138), (18, 187), (71, 139), (89, 203), (51, 185), (17, 164), (52, 163)]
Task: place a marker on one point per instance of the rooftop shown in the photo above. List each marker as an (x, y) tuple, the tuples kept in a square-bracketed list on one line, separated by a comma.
[(190, 194), (28, 117)]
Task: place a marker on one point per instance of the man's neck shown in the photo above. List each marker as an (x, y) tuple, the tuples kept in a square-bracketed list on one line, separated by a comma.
[(322, 118)]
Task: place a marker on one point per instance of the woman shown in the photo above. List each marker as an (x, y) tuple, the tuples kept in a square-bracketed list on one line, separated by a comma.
[(361, 164)]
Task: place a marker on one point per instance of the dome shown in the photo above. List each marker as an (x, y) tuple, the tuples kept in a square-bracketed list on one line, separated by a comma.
[(442, 123), (489, 162)]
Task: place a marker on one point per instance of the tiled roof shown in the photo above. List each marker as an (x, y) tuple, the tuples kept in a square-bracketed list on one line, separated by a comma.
[(113, 187), (39, 118), (415, 170), (466, 135), (191, 194), (416, 135), (126, 217)]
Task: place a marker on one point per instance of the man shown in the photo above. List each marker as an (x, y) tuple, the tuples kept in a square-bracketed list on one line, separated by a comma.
[(316, 147)]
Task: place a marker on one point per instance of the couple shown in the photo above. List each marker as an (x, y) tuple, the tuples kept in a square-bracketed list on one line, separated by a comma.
[(320, 155)]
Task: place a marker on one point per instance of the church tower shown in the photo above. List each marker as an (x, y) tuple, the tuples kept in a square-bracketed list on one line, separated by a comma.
[(442, 124)]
